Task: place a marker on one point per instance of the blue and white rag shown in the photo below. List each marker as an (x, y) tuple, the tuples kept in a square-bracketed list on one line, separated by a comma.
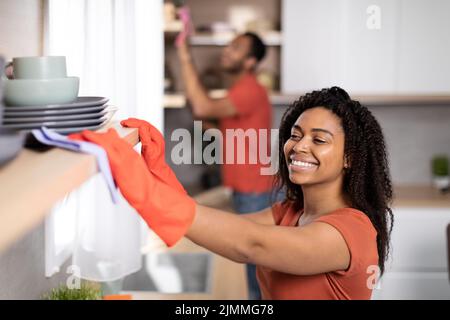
[(52, 138)]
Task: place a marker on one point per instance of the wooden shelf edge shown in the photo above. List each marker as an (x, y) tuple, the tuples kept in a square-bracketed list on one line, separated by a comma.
[(33, 182)]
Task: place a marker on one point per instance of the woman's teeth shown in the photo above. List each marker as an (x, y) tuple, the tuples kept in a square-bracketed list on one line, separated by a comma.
[(303, 164)]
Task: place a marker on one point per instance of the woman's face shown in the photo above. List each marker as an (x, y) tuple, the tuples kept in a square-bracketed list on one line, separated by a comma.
[(315, 150)]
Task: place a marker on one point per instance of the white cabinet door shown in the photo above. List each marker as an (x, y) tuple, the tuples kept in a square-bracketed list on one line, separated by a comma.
[(413, 286), (424, 47), (328, 43), (419, 240), (417, 268), (311, 51)]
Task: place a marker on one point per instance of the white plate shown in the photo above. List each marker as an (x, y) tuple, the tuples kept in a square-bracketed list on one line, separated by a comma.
[(59, 124), (41, 113), (54, 124), (58, 117), (78, 128), (79, 103)]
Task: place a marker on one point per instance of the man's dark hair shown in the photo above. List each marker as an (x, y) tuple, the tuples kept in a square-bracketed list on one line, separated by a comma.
[(257, 48)]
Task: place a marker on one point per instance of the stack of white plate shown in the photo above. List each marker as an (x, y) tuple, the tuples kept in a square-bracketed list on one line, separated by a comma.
[(85, 113)]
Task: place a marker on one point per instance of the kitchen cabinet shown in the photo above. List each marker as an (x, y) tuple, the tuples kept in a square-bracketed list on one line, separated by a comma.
[(424, 47), (413, 286), (417, 267), (330, 43)]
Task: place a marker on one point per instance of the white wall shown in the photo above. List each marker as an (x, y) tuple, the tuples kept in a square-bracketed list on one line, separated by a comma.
[(20, 28), (327, 42), (22, 265)]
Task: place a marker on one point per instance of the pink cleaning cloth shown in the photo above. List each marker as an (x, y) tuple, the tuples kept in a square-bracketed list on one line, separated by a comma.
[(185, 17)]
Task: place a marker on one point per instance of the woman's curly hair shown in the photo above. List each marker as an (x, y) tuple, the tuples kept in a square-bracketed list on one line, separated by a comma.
[(367, 181)]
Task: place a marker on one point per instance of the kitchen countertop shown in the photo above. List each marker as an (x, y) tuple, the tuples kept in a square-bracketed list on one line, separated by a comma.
[(34, 181), (422, 196)]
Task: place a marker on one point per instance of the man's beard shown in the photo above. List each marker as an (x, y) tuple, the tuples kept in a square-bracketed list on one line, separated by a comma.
[(235, 68)]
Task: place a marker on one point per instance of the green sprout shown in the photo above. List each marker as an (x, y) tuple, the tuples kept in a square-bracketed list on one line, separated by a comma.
[(85, 292), (440, 166)]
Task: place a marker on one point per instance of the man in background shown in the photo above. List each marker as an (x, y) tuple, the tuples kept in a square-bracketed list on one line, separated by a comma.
[(246, 106)]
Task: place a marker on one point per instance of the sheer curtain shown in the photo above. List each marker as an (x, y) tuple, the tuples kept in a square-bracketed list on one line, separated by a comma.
[(116, 48)]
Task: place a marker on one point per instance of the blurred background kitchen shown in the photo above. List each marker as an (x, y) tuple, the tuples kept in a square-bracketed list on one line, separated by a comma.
[(392, 55)]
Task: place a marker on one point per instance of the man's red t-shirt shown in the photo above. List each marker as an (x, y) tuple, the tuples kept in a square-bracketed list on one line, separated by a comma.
[(254, 119)]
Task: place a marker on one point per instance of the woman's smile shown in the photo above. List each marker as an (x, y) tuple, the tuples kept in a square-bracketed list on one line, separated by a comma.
[(302, 166)]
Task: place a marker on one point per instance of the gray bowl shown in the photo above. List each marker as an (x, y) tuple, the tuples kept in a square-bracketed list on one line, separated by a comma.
[(29, 92), (11, 143)]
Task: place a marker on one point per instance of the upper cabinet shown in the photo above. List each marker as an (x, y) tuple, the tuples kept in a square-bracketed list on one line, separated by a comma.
[(424, 46), (387, 47)]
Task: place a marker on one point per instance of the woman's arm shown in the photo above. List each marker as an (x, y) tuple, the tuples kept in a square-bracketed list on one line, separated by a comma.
[(262, 217), (312, 249)]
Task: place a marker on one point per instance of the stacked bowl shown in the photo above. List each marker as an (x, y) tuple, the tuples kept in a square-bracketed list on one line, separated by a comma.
[(41, 94)]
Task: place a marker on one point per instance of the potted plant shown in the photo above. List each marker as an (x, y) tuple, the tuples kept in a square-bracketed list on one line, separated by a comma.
[(85, 292), (441, 178)]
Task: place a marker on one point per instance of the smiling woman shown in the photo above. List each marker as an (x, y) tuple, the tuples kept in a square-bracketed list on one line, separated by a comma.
[(327, 240), (328, 143)]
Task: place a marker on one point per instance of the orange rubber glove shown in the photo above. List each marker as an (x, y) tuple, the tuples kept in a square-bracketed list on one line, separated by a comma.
[(153, 150), (167, 211)]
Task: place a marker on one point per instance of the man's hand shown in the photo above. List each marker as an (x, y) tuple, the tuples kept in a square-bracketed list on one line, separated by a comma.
[(185, 17)]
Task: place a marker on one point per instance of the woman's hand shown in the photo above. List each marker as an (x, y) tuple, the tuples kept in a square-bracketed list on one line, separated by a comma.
[(167, 211), (153, 151)]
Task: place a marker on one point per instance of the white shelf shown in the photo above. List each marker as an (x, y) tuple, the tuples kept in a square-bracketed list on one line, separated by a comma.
[(173, 27), (178, 100), (272, 38)]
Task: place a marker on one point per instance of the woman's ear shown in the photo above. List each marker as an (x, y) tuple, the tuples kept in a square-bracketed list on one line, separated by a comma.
[(346, 163)]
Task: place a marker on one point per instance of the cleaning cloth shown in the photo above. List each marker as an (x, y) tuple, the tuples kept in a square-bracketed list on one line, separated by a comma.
[(52, 138)]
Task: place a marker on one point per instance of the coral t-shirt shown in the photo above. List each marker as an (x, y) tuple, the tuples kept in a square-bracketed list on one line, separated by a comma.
[(254, 117), (354, 283)]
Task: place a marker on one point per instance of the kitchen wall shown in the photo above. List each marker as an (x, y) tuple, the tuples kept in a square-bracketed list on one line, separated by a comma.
[(21, 28), (413, 135), (22, 265), (328, 43), (22, 269)]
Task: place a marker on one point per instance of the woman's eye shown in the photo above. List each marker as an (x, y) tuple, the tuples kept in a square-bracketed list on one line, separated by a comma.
[(294, 137), (319, 141)]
